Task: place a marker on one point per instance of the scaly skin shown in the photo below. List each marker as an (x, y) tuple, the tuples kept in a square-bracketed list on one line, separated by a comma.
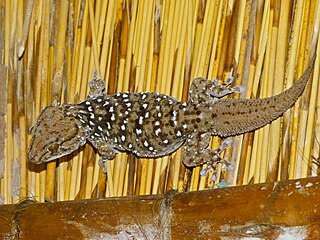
[(153, 124)]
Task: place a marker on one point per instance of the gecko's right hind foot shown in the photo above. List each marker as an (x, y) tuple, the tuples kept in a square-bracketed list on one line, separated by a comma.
[(216, 159)]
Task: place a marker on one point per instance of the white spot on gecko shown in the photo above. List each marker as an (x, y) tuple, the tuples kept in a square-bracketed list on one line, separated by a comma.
[(158, 130), (138, 131), (140, 120)]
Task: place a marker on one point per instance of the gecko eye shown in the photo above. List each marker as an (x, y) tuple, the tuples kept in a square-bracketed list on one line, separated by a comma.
[(53, 148)]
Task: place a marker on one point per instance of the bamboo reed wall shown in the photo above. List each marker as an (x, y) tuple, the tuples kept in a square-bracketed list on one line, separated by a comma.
[(51, 49)]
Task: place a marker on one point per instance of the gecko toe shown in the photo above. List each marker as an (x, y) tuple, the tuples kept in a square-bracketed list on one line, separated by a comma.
[(104, 163)]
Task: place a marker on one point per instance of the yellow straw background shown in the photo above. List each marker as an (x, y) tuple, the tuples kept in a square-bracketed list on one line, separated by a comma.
[(51, 49)]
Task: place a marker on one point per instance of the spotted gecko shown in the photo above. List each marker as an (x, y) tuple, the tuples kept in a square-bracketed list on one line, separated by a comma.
[(153, 124)]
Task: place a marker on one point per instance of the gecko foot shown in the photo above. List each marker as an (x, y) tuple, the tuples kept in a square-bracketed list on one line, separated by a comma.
[(216, 159), (97, 86), (104, 163), (219, 91)]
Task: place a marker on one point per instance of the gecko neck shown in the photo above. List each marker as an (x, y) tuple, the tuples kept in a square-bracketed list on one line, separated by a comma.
[(81, 113)]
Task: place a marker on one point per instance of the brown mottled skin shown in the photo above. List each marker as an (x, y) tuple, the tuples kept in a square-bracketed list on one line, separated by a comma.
[(153, 124)]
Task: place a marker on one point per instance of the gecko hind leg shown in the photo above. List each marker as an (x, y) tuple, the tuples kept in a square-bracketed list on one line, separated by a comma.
[(195, 153), (217, 159), (204, 90)]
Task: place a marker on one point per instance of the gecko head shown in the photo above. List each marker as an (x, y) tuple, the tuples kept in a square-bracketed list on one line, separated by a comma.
[(55, 134)]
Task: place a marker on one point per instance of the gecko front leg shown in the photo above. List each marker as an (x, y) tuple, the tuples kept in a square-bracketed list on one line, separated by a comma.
[(106, 152), (97, 86), (196, 152)]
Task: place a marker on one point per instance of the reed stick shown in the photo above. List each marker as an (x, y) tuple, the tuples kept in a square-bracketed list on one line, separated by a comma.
[(268, 84), (313, 97), (296, 112), (300, 158), (311, 117), (293, 51), (278, 87), (217, 39)]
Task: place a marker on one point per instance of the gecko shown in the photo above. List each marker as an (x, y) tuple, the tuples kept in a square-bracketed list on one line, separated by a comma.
[(152, 125)]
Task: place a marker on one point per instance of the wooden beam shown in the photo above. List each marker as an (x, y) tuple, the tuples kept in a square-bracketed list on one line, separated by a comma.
[(267, 211)]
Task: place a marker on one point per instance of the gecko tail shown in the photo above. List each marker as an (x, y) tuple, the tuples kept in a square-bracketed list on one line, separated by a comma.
[(238, 116)]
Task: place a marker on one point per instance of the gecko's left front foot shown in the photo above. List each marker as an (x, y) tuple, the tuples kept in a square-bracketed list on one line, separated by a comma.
[(104, 163), (216, 159), (106, 152), (97, 86)]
